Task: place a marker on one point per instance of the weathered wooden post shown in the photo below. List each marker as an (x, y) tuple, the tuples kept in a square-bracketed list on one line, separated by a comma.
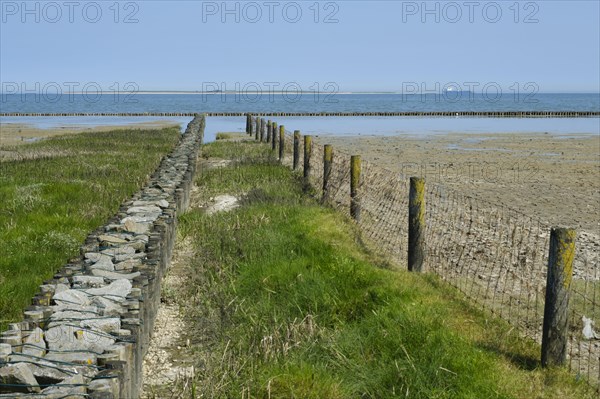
[(248, 123), (416, 224), (269, 128), (296, 149), (307, 155), (256, 133), (274, 136), (251, 125), (558, 287), (262, 130), (355, 169), (327, 163), (281, 142)]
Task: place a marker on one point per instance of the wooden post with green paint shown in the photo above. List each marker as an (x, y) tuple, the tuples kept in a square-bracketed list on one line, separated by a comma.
[(416, 224), (355, 170), (327, 164), (269, 128), (262, 130), (281, 142), (296, 149), (274, 137), (307, 155), (558, 286)]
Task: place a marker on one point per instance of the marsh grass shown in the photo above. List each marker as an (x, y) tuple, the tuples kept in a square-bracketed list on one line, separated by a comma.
[(56, 192), (284, 302)]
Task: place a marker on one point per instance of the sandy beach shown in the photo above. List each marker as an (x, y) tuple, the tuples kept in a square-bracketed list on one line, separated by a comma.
[(553, 178)]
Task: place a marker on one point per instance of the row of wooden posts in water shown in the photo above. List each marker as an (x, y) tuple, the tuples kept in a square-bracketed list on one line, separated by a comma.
[(480, 114), (562, 240)]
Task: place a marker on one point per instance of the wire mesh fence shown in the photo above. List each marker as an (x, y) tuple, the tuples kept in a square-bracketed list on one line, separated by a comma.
[(494, 255)]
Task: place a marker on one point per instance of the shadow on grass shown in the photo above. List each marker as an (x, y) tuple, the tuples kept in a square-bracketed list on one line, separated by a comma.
[(519, 360)]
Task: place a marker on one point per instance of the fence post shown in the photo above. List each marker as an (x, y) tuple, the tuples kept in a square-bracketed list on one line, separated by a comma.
[(262, 130), (281, 142), (307, 155), (258, 119), (274, 137), (355, 169), (416, 224), (269, 128), (558, 287), (327, 162), (251, 124), (248, 123), (296, 149)]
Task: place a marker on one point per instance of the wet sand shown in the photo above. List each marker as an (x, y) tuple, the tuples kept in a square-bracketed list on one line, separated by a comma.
[(17, 133), (555, 179)]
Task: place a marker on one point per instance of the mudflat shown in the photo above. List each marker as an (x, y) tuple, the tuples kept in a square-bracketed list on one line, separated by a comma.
[(553, 178)]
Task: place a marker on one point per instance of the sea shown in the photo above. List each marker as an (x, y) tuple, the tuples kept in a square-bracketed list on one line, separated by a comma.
[(257, 103)]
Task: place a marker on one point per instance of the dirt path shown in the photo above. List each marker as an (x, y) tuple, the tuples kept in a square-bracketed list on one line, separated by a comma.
[(165, 367), (168, 365)]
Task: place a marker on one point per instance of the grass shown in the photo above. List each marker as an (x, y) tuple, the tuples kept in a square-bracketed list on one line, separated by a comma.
[(284, 303), (61, 190), (230, 135)]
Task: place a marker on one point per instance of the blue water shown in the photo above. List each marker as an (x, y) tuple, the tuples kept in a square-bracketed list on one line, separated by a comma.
[(318, 125), (305, 102)]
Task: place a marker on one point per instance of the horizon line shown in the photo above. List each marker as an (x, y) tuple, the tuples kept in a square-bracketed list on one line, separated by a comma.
[(346, 92)]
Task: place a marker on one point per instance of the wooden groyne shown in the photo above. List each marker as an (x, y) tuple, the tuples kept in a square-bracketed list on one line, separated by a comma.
[(472, 114)]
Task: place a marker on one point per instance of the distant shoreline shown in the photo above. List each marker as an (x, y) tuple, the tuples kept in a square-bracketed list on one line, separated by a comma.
[(324, 92)]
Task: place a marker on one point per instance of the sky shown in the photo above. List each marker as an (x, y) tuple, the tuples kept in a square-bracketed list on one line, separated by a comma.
[(530, 46)]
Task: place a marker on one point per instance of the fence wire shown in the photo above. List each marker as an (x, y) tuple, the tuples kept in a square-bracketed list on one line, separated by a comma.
[(494, 255)]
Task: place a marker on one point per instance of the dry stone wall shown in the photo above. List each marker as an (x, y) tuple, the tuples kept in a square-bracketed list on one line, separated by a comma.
[(88, 328)]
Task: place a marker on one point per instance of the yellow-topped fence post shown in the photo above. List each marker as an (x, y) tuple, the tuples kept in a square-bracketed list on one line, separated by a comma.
[(281, 142), (327, 164), (307, 155), (416, 224), (296, 149), (262, 129), (274, 136), (355, 171), (256, 133), (555, 330)]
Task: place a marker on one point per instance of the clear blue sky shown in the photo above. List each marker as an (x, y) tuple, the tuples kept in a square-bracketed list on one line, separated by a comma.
[(374, 45)]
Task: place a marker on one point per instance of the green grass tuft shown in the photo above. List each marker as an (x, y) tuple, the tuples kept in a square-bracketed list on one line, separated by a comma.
[(64, 188), (285, 303)]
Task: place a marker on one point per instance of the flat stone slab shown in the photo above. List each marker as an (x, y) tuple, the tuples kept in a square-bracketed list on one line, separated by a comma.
[(68, 338), (124, 250), (107, 324), (136, 227), (114, 275), (18, 374), (127, 265), (104, 263), (89, 281), (34, 344), (117, 290), (73, 386), (108, 307), (110, 239), (144, 209), (84, 358), (72, 297)]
